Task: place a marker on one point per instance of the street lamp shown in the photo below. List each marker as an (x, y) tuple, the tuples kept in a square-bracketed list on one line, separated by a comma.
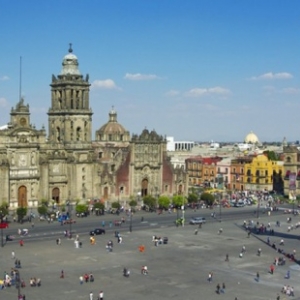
[(18, 283), (70, 219), (220, 206), (258, 207), (2, 225), (182, 207)]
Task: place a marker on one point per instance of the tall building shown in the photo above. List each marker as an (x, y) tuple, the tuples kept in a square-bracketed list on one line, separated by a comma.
[(68, 165)]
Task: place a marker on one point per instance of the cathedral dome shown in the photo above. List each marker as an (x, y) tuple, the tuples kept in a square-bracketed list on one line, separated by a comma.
[(251, 138), (70, 64), (112, 130)]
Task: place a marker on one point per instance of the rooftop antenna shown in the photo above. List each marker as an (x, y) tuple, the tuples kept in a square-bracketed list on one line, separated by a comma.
[(20, 84)]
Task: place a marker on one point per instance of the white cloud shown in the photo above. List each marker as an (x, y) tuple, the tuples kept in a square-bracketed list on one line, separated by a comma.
[(3, 78), (271, 76), (291, 91), (172, 93), (3, 102), (199, 92), (139, 77), (107, 84)]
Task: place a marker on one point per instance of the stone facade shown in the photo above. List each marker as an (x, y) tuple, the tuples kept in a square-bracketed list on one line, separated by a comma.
[(67, 165)]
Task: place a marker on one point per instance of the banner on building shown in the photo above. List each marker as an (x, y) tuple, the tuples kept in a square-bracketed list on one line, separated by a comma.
[(292, 181)]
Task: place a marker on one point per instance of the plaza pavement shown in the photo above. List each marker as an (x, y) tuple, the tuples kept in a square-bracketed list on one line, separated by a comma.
[(177, 270)]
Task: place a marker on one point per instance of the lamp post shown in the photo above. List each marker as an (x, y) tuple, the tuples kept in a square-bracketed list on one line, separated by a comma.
[(70, 219), (258, 207), (18, 283), (220, 207), (1, 216), (182, 208)]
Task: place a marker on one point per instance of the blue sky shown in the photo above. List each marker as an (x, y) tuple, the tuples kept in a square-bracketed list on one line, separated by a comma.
[(193, 69)]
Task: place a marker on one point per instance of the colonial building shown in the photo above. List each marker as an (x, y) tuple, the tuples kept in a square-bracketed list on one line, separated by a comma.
[(68, 165)]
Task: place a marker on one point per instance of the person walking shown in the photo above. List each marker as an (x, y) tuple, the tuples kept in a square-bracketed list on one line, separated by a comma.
[(101, 295), (91, 296), (272, 269), (62, 274), (227, 257), (218, 288), (223, 288), (81, 279), (13, 255), (257, 276), (210, 274)]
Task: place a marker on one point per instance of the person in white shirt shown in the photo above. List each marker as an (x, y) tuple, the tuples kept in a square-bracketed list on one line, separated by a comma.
[(101, 295), (91, 295)]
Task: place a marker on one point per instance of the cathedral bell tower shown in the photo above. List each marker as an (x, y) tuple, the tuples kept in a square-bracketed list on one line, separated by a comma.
[(70, 117)]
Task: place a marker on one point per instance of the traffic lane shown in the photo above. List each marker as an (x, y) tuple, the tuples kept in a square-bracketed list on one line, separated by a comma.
[(92, 222)]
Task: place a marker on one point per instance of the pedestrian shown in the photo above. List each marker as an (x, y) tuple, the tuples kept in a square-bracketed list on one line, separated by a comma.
[(272, 268), (81, 279), (62, 274), (210, 274), (59, 241), (196, 231), (288, 275), (278, 297), (257, 276), (21, 243), (101, 295), (223, 288), (227, 257), (218, 288), (13, 255), (91, 296)]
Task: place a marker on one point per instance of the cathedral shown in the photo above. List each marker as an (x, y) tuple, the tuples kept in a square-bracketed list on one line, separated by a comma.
[(67, 165)]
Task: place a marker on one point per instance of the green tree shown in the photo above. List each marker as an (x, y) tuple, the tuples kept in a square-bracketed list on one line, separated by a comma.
[(164, 202), (42, 210), (4, 210), (208, 198), (192, 198), (179, 200), (99, 205), (150, 201), (116, 205), (132, 203), (81, 208), (21, 212)]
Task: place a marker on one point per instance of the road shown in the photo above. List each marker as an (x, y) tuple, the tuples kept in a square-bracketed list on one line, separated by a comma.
[(43, 230)]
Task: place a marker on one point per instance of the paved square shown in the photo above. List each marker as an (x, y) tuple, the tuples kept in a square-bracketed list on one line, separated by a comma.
[(177, 270)]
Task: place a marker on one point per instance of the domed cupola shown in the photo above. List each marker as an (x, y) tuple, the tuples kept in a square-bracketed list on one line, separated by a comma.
[(112, 131), (70, 64)]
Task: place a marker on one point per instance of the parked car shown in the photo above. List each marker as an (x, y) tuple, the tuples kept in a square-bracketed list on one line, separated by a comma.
[(197, 220), (97, 231)]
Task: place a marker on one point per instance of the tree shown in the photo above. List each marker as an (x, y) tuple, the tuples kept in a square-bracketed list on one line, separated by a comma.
[(21, 212), (192, 198), (81, 208), (208, 198), (164, 202), (99, 205), (99, 208), (150, 201), (179, 200), (42, 210), (116, 205), (4, 210), (132, 203)]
